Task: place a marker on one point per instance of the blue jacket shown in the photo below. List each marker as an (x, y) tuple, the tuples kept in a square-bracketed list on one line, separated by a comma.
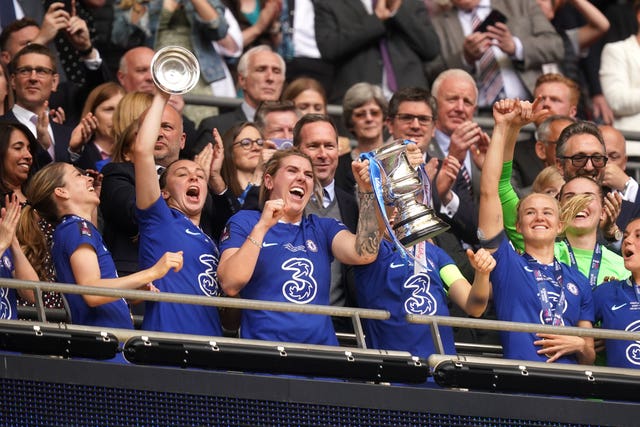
[(203, 33)]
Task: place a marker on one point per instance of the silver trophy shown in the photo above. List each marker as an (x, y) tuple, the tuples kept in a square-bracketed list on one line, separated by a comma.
[(175, 70), (402, 186)]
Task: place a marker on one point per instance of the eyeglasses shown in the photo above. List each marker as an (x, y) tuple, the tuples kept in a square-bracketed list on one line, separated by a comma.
[(580, 160), (409, 118), (363, 114), (40, 71), (247, 142)]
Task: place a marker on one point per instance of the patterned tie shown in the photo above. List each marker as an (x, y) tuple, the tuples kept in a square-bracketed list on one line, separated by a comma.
[(467, 179), (490, 83), (386, 60), (285, 49)]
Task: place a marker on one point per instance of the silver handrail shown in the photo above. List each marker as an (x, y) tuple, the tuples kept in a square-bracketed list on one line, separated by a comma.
[(354, 313), (502, 325)]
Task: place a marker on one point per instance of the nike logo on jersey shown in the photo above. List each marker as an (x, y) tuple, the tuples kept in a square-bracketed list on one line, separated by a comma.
[(192, 233), (266, 245), (617, 307), (394, 265)]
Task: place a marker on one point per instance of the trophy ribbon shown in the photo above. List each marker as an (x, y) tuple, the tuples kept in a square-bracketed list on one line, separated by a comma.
[(376, 174)]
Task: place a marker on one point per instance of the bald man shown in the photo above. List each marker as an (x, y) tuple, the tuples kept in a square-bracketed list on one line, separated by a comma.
[(615, 176)]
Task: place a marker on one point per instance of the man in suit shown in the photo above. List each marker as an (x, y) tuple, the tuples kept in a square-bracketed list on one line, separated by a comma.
[(456, 134), (412, 116), (69, 96), (521, 47), (33, 78), (317, 136), (385, 44), (261, 74)]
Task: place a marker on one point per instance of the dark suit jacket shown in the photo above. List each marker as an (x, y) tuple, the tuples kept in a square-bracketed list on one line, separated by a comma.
[(541, 43), (90, 155), (526, 166), (61, 135), (349, 37), (344, 175), (348, 206), (118, 208), (222, 122), (434, 151), (464, 224), (71, 96), (349, 215)]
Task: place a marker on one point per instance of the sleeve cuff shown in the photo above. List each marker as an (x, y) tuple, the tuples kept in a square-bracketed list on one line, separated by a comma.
[(452, 207), (519, 53)]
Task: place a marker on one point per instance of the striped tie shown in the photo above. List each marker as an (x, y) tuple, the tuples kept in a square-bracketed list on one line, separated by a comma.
[(490, 83), (467, 178)]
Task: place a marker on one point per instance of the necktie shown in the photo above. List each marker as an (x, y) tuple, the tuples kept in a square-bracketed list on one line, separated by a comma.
[(490, 83), (285, 49), (467, 178), (386, 60), (326, 198), (7, 13)]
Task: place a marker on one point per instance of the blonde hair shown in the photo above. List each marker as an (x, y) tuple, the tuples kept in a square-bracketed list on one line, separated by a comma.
[(573, 206), (521, 202), (129, 109), (546, 178)]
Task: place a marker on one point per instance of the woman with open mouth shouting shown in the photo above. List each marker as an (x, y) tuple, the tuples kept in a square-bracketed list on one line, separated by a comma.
[(282, 255)]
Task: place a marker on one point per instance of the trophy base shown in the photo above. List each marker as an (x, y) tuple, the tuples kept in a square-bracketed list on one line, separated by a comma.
[(413, 230)]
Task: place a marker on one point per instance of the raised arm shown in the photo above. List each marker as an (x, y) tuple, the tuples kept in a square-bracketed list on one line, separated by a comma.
[(509, 115), (147, 186), (362, 247), (597, 24), (237, 265)]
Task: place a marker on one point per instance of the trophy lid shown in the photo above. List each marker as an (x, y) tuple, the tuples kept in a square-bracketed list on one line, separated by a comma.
[(175, 70)]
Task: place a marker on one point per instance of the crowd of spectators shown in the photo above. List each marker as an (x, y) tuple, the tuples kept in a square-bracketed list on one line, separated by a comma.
[(273, 200)]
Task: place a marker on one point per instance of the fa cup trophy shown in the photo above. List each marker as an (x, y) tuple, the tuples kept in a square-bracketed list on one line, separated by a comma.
[(404, 187), (175, 70)]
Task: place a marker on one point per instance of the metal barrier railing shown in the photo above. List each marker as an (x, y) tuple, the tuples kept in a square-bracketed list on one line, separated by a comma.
[(356, 314), (501, 325)]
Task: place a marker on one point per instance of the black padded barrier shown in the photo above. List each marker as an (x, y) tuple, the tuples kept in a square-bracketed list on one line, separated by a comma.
[(377, 366), (57, 342), (44, 391)]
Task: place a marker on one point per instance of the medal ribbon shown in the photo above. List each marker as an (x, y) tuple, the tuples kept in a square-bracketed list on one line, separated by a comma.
[(551, 315), (595, 262)]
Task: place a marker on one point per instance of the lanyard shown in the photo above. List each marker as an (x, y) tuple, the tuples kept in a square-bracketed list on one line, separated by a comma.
[(635, 287), (243, 196), (551, 315), (595, 262)]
